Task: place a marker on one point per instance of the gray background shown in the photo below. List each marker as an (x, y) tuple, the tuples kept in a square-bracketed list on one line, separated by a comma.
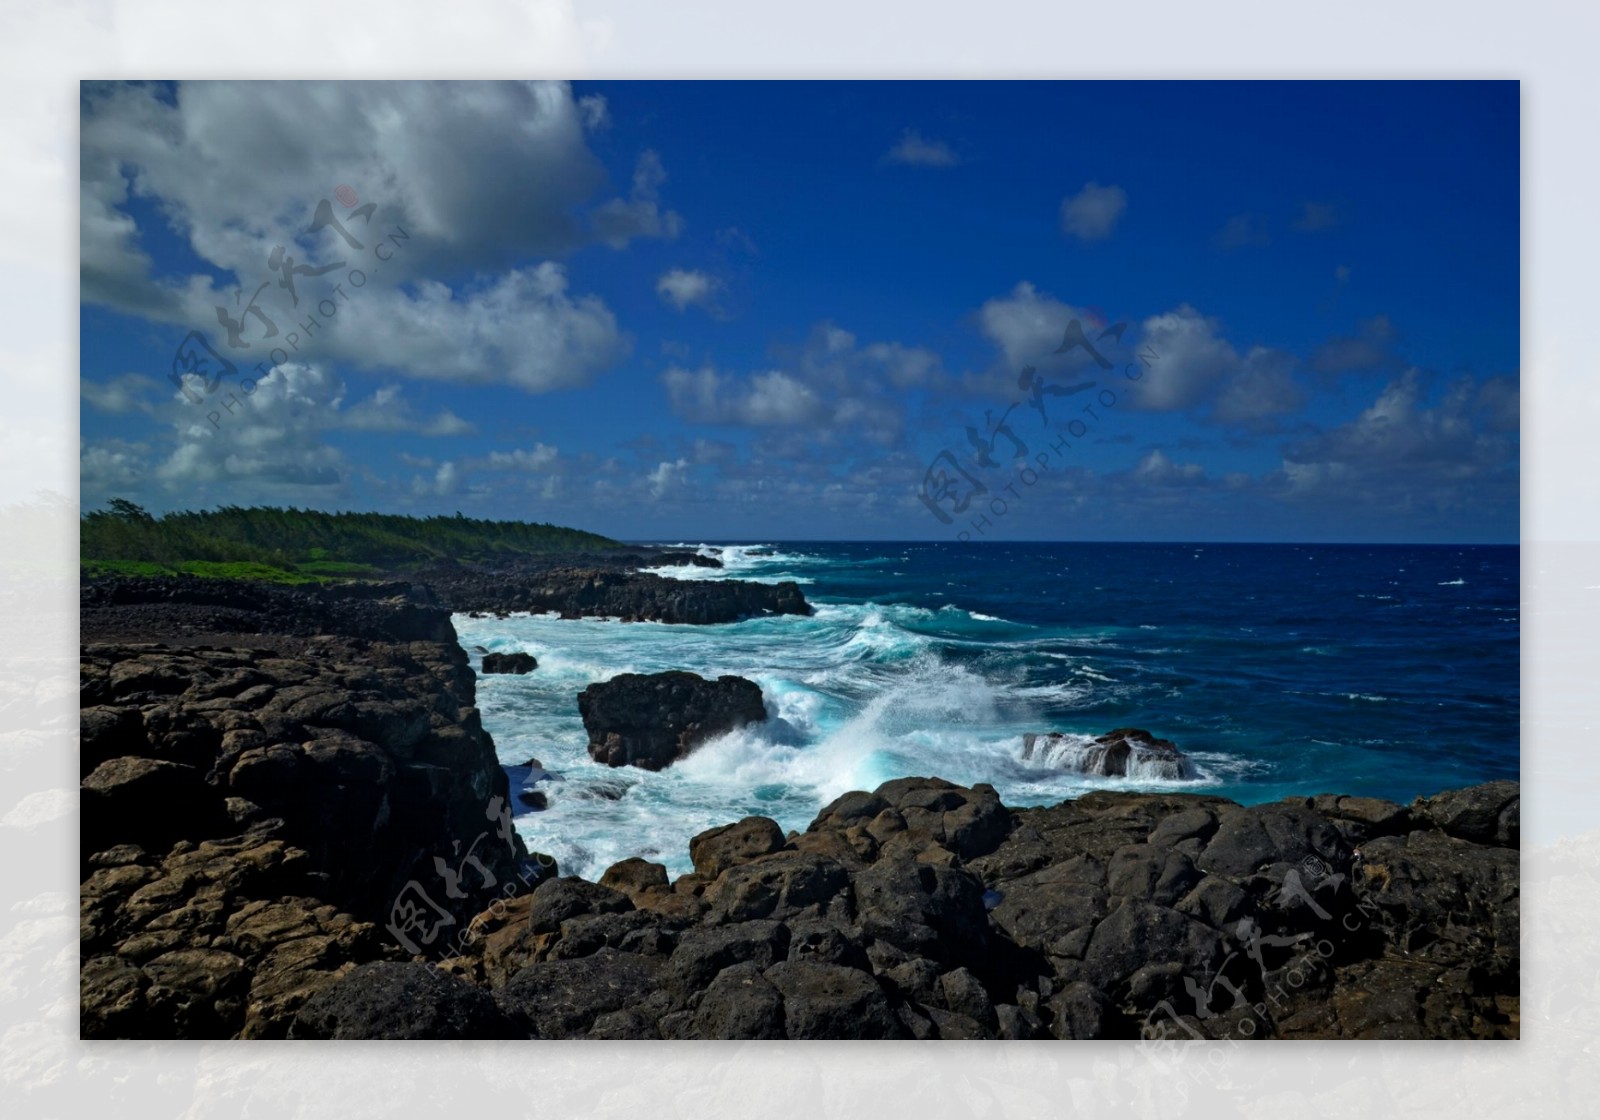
[(45, 49)]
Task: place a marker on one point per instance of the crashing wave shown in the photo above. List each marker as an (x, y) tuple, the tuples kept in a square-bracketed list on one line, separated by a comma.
[(1127, 752)]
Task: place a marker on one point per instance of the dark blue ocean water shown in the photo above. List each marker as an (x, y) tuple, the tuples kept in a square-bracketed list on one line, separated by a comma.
[(1389, 671)]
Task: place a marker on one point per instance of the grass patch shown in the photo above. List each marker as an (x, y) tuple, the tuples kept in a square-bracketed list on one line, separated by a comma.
[(338, 569)]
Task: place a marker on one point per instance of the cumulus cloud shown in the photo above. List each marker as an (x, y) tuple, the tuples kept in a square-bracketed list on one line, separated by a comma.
[(453, 476), (112, 466), (915, 151), (593, 111), (684, 288), (1407, 453), (132, 392), (828, 385), (1158, 470), (1260, 389), (772, 398), (668, 478), (1092, 213), (1499, 404), (639, 215), (387, 410), (465, 178), (479, 171), (524, 329), (1193, 368), (1027, 326), (1370, 347), (271, 444)]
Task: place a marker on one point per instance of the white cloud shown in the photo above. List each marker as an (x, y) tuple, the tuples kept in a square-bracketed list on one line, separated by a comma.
[(772, 398), (1371, 347), (684, 288), (1192, 367), (640, 215), (915, 151), (668, 477), (1404, 457), (1191, 360), (524, 329), (477, 175), (445, 480), (478, 171), (593, 111), (1399, 432), (269, 444), (1156, 469), (111, 466), (1092, 213), (1261, 388), (829, 386), (132, 392), (387, 410), (1028, 326), (536, 458), (452, 476)]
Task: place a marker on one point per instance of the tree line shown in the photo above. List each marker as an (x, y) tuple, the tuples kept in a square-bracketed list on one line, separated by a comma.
[(291, 538)]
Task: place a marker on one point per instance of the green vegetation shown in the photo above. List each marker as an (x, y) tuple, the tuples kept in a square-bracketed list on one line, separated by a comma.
[(210, 569), (304, 546)]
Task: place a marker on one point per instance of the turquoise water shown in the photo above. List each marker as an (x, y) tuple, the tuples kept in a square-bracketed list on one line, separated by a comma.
[(1280, 669)]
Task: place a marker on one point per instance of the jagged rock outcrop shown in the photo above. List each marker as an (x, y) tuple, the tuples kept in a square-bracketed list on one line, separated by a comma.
[(262, 816), (294, 826), (517, 663), (928, 910), (684, 559), (650, 720)]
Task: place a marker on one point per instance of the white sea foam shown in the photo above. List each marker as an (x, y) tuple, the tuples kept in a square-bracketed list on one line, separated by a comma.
[(857, 694)]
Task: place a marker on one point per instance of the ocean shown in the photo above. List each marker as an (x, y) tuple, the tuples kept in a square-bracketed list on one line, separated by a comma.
[(1379, 670)]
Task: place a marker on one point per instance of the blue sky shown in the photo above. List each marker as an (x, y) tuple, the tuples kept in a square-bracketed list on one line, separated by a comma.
[(773, 310)]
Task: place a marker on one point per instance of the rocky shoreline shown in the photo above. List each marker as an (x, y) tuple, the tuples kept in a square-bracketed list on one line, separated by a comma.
[(615, 589), (296, 826)]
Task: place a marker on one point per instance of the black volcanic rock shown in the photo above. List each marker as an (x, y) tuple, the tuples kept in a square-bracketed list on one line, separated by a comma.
[(614, 592), (292, 804), (1124, 752), (684, 559), (517, 663), (948, 915), (395, 999), (651, 720), (279, 785), (1486, 814)]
